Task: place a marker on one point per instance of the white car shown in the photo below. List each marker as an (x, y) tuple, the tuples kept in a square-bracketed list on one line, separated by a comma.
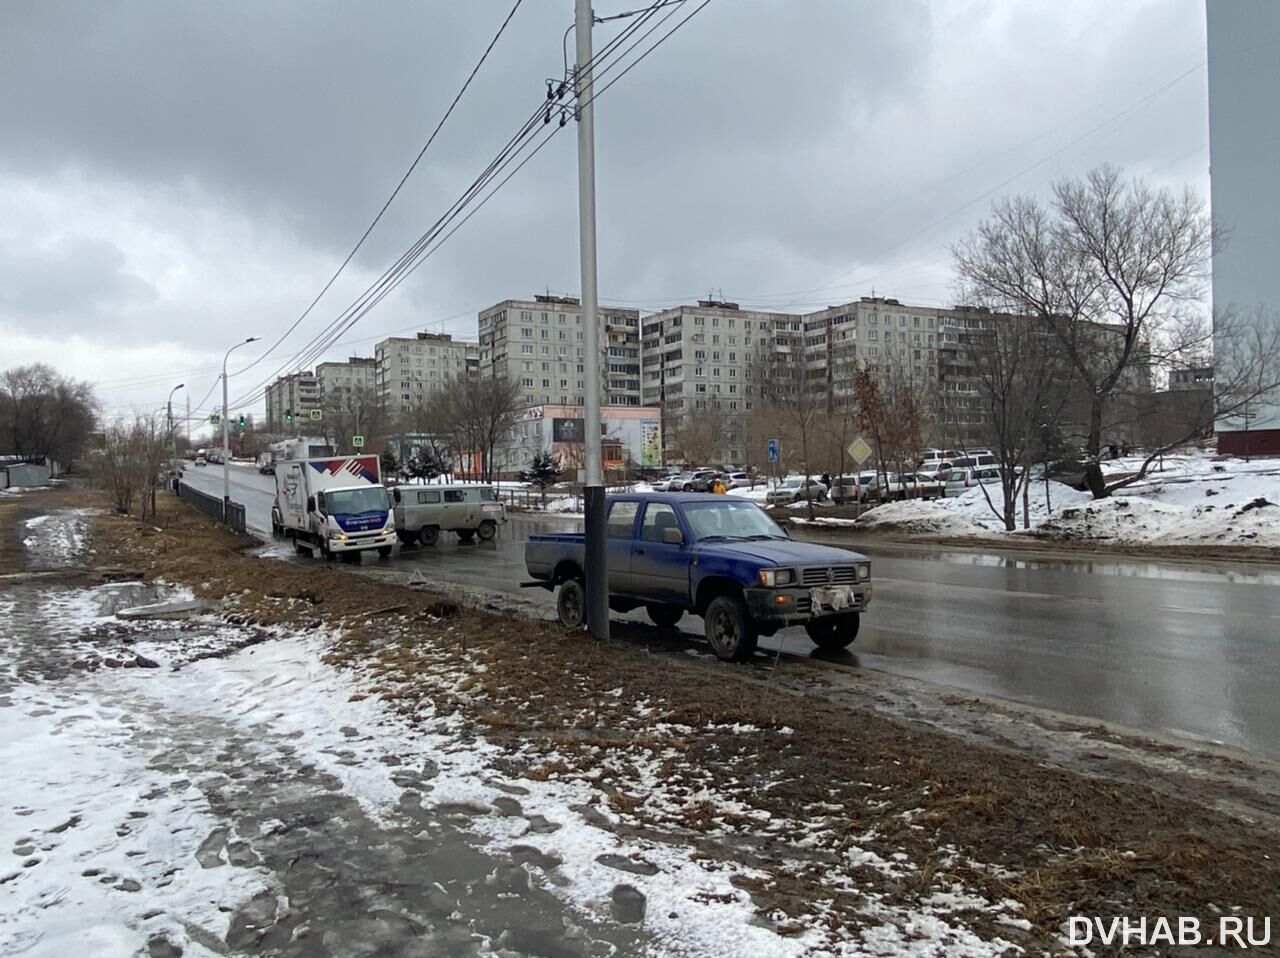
[(959, 481), (738, 480), (850, 488)]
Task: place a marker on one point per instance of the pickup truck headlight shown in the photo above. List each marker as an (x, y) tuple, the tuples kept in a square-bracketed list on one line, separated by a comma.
[(775, 577), (864, 571)]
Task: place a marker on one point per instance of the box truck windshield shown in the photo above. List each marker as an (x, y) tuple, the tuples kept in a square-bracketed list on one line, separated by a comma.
[(354, 502)]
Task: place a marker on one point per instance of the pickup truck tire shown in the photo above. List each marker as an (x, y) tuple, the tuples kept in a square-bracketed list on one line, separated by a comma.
[(571, 603), (834, 632), (664, 616), (729, 629), (488, 529), (428, 535)]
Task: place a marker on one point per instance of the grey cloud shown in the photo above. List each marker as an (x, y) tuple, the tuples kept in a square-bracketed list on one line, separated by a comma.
[(64, 285)]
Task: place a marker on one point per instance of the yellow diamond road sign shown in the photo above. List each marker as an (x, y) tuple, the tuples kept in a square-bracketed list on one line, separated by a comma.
[(859, 450)]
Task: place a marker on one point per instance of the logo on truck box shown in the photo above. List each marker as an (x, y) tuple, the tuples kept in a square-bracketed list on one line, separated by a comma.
[(363, 467)]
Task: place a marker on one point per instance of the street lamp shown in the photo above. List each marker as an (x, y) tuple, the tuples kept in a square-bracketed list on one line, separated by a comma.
[(168, 412), (226, 438)]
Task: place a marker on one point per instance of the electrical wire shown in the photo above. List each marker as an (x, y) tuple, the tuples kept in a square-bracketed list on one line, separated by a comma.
[(421, 249), (399, 186)]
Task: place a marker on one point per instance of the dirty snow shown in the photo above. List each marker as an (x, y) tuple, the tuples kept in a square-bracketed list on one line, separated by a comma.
[(1188, 500)]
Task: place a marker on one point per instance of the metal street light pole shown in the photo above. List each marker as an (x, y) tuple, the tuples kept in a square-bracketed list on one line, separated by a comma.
[(597, 573), (226, 429), (168, 407)]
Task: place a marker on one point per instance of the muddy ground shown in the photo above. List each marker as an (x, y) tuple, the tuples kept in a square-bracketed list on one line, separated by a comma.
[(1070, 820)]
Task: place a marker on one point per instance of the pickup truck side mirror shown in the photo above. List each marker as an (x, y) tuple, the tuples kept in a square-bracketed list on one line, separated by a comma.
[(672, 537), (311, 503)]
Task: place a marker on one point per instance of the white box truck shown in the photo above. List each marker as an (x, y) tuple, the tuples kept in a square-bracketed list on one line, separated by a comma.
[(336, 506)]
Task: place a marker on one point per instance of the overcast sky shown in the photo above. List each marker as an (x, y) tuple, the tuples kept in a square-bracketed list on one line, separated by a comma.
[(175, 176)]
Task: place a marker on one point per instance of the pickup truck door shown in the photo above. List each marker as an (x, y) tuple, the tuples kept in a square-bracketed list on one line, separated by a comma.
[(621, 529), (659, 570)]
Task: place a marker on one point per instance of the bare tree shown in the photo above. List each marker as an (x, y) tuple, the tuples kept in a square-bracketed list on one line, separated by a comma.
[(892, 412), (699, 434), (355, 411), (476, 414), (1110, 267), (44, 414), (133, 461), (1244, 354), (1023, 383)]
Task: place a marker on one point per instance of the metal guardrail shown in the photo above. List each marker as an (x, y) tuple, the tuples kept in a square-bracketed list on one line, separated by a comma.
[(229, 513)]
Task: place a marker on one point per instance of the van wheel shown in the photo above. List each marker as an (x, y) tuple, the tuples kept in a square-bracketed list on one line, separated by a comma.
[(664, 616), (488, 529), (466, 535), (729, 629), (571, 603), (428, 535), (834, 632)]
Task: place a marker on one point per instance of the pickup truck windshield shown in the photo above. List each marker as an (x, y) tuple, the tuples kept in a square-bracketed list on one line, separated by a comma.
[(352, 502), (730, 520)]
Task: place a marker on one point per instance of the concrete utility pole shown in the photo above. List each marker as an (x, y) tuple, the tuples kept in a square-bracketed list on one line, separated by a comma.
[(596, 555), (226, 428)]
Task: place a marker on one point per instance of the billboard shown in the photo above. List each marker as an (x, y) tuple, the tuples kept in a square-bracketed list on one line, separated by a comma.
[(650, 443), (568, 430)]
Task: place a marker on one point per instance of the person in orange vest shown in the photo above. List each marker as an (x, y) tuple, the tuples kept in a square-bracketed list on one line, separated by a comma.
[(718, 486)]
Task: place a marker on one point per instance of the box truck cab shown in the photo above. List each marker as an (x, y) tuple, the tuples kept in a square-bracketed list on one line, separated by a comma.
[(335, 505)]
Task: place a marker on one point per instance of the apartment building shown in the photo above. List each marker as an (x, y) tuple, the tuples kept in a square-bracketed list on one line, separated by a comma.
[(408, 369), (707, 358), (290, 400), (539, 344), (337, 380)]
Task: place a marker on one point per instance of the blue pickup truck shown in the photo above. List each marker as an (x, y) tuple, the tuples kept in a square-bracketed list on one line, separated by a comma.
[(720, 557)]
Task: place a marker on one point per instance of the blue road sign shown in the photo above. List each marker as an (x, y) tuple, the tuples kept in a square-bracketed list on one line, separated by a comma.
[(774, 449)]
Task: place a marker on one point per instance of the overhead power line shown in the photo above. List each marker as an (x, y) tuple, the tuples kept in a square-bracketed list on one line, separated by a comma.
[(475, 196), (399, 186)]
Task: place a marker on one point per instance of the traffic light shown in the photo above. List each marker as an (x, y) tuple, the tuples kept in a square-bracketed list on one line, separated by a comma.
[(288, 415), (241, 421)]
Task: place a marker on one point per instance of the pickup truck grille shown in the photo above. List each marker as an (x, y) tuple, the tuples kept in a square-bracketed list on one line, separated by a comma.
[(829, 575)]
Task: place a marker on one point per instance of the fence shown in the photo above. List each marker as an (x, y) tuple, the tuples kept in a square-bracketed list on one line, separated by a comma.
[(230, 513)]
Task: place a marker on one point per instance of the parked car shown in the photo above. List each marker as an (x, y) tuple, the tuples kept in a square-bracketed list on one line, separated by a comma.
[(423, 512), (698, 481), (738, 480), (975, 460), (934, 468), (201, 461), (796, 489), (907, 485), (960, 480), (675, 483), (719, 557), (849, 488)]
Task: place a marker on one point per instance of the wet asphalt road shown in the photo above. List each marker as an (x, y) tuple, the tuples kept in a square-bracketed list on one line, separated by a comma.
[(1191, 649)]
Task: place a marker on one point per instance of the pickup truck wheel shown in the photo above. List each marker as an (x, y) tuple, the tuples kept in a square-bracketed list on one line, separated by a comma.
[(729, 629), (488, 529), (664, 616), (571, 603), (428, 535), (834, 632)]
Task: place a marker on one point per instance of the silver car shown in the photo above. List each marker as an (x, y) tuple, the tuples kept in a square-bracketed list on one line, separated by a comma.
[(796, 489)]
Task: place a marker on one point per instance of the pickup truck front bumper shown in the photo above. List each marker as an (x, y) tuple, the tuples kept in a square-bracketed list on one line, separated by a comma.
[(794, 606)]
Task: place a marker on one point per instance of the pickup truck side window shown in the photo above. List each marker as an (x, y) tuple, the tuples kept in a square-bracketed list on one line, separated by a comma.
[(622, 519), (657, 517), (455, 495), (428, 497)]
